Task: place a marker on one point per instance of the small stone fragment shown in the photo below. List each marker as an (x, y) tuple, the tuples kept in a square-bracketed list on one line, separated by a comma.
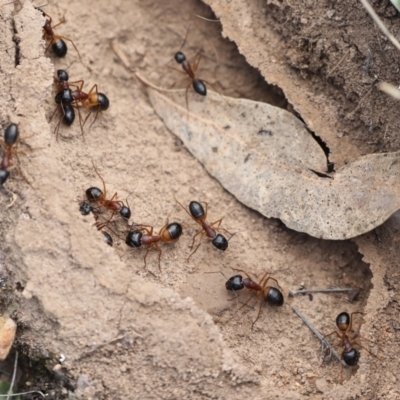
[(8, 327)]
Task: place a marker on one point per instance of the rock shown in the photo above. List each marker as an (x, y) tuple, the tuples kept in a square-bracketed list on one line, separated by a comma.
[(8, 327)]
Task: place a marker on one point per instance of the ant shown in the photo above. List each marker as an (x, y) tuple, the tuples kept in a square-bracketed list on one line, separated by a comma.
[(100, 197), (11, 136), (67, 99), (267, 294), (190, 69), (89, 101), (143, 235), (56, 42), (344, 323), (199, 215)]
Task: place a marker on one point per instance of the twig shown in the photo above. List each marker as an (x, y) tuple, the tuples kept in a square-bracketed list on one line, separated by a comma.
[(292, 293), (22, 393), (379, 22), (13, 377), (325, 343)]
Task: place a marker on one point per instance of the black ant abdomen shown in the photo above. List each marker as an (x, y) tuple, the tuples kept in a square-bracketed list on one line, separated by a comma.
[(351, 357), (343, 321), (59, 48), (234, 283), (196, 210), (11, 134), (220, 242), (199, 87), (134, 239), (3, 176), (103, 101), (69, 114), (174, 231), (93, 193), (85, 208), (274, 296)]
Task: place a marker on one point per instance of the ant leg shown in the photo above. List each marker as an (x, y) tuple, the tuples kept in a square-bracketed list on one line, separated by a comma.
[(159, 255), (351, 320), (272, 279), (184, 41), (80, 120), (141, 227), (194, 237), (330, 334), (95, 117), (186, 97), (62, 21), (52, 115), (247, 301), (196, 61), (190, 215), (368, 351), (258, 315), (73, 44), (264, 280), (102, 225), (145, 256), (240, 270), (104, 185), (202, 234)]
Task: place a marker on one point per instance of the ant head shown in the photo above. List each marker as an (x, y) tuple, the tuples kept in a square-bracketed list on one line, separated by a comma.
[(93, 193), (343, 321), (179, 57), (196, 210), (62, 75), (133, 239), (174, 230), (220, 242), (85, 208), (234, 283), (125, 212), (11, 134)]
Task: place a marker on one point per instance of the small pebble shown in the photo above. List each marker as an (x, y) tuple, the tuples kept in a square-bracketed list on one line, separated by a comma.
[(8, 327)]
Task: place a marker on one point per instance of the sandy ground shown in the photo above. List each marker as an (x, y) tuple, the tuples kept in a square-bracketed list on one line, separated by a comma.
[(130, 332)]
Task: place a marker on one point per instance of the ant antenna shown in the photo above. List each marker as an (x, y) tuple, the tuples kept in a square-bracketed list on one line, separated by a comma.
[(44, 5), (184, 41)]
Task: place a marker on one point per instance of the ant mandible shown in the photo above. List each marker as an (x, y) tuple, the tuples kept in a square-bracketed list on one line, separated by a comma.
[(199, 215), (100, 197), (265, 294), (56, 42), (143, 235), (344, 323)]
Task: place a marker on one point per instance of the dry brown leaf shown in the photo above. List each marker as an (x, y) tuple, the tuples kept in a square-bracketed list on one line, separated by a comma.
[(265, 157)]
